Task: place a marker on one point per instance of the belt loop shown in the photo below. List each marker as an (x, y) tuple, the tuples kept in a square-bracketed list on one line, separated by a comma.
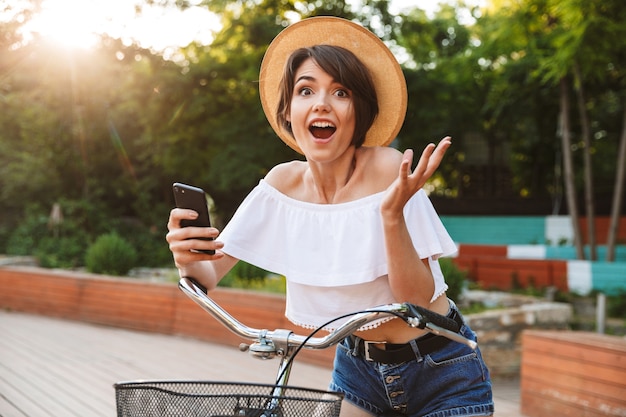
[(451, 307), (356, 341), (455, 312), (416, 350)]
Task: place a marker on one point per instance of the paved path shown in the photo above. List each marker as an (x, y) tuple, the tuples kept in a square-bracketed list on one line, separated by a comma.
[(53, 367)]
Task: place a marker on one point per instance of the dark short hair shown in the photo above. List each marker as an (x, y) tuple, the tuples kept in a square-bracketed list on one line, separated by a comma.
[(346, 69)]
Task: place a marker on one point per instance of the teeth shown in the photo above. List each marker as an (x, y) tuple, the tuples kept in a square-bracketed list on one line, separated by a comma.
[(322, 124)]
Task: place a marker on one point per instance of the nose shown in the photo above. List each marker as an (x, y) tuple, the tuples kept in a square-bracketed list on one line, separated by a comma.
[(322, 103)]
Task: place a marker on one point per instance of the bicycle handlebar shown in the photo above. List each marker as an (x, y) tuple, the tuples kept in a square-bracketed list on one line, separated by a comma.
[(414, 316)]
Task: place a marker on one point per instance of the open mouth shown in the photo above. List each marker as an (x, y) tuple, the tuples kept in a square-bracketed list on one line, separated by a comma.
[(322, 130)]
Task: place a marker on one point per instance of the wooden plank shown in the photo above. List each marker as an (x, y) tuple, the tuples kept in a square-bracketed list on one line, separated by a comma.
[(572, 374), (57, 368), (579, 348), (499, 251), (593, 387), (537, 406), (585, 403), (47, 372), (573, 368), (14, 402), (583, 339)]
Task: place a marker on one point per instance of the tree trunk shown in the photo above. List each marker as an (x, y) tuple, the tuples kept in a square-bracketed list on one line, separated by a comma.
[(588, 173), (568, 171), (617, 194)]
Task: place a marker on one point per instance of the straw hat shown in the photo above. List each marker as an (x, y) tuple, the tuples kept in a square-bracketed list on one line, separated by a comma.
[(383, 66)]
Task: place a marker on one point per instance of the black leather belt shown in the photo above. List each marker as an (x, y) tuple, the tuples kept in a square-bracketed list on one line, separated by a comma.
[(399, 353)]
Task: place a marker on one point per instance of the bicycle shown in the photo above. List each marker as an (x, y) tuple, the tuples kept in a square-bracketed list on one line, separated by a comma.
[(234, 399)]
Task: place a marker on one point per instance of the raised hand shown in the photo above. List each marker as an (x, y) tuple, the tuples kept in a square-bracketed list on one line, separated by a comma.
[(408, 183)]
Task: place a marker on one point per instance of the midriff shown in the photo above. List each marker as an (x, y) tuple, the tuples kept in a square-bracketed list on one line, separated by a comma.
[(397, 331)]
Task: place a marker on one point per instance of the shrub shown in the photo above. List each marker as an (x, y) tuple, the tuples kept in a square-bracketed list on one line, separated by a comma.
[(62, 246), (248, 272), (455, 278), (152, 248), (110, 254), (248, 276), (616, 304), (23, 239), (61, 252)]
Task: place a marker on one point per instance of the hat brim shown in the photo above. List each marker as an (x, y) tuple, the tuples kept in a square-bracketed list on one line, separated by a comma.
[(386, 72)]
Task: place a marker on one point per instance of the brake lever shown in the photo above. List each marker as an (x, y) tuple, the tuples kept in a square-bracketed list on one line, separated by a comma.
[(416, 319)]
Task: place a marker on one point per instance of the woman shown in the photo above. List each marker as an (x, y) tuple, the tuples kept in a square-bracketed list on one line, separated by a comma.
[(349, 227)]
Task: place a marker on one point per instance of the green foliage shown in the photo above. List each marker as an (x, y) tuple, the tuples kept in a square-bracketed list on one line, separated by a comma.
[(248, 272), (274, 285), (29, 231), (60, 246), (107, 131), (111, 254), (152, 248), (454, 276), (616, 305), (248, 276), (64, 245)]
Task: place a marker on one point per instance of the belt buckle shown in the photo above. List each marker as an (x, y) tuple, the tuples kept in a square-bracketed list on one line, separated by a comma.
[(366, 349)]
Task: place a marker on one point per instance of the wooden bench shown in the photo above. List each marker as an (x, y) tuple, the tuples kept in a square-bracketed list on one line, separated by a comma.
[(572, 374), (505, 274)]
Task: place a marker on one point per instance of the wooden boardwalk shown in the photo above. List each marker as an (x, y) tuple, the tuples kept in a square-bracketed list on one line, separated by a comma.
[(52, 367)]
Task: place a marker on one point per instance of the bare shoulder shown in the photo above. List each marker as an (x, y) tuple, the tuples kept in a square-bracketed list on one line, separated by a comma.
[(380, 164), (386, 157), (284, 177)]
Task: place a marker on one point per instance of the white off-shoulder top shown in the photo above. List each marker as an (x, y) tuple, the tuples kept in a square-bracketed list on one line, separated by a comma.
[(332, 255)]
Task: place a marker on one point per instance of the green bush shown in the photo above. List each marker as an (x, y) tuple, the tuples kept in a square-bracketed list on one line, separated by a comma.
[(61, 252), (23, 239), (455, 278), (248, 276), (152, 248), (110, 254), (616, 304), (62, 246), (248, 272)]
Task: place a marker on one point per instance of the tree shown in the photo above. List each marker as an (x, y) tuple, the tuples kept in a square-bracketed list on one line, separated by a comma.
[(552, 37), (619, 192), (582, 50)]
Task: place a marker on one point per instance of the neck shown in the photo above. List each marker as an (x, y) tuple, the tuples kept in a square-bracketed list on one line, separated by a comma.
[(331, 182)]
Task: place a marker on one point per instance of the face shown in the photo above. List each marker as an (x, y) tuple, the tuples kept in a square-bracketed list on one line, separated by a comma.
[(321, 113)]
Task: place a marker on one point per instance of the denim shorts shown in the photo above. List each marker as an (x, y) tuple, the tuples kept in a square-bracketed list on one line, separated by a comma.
[(452, 381)]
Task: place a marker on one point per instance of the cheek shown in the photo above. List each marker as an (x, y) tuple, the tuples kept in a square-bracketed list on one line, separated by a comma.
[(295, 112)]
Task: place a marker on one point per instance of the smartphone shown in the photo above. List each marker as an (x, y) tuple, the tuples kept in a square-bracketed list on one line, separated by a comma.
[(194, 198)]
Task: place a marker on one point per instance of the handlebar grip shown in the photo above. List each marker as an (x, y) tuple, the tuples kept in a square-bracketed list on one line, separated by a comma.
[(434, 318), (197, 284)]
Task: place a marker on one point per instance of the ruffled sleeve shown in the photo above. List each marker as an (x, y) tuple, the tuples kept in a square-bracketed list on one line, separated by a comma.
[(325, 245)]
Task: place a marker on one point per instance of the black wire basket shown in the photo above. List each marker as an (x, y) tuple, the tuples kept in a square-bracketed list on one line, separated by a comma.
[(221, 399)]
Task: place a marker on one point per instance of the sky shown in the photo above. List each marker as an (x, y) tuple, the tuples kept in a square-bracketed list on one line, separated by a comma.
[(74, 23)]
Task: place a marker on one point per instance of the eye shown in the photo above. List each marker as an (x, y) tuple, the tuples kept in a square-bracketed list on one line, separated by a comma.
[(343, 93), (305, 91)]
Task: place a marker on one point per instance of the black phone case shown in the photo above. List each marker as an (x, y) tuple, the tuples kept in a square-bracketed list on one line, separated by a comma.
[(194, 198)]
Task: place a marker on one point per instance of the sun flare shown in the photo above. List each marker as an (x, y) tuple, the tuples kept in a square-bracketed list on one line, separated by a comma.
[(78, 23), (71, 23)]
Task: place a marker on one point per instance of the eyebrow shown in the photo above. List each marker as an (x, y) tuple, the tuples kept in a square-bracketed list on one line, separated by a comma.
[(305, 78)]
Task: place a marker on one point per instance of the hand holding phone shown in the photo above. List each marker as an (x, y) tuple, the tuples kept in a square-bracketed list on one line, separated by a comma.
[(193, 198)]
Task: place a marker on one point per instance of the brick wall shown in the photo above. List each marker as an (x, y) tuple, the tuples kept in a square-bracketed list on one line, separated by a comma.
[(163, 308), (139, 305)]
